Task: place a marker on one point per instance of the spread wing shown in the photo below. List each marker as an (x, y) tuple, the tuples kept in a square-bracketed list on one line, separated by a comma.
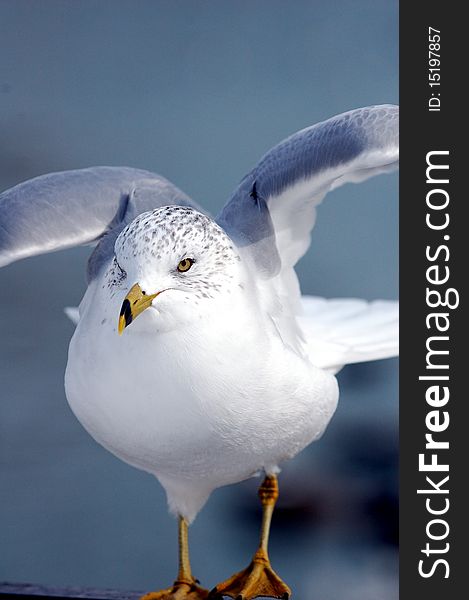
[(275, 204), (271, 214), (70, 208)]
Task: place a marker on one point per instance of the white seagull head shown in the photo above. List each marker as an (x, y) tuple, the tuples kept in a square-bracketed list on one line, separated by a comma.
[(178, 262)]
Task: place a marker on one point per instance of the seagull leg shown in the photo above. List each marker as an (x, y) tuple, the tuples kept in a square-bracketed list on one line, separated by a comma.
[(259, 579), (186, 586)]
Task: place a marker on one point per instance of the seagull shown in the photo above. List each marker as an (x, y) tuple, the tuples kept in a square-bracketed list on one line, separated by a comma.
[(195, 357)]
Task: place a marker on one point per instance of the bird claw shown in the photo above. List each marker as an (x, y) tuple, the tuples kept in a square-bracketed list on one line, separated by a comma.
[(258, 580), (179, 591)]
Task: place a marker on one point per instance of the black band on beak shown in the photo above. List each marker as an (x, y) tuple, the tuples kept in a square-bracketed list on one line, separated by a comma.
[(134, 303), (126, 312)]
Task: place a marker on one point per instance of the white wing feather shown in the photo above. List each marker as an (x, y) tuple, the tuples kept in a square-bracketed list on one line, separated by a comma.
[(347, 330)]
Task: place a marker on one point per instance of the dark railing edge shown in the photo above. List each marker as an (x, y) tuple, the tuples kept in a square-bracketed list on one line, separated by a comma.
[(31, 591)]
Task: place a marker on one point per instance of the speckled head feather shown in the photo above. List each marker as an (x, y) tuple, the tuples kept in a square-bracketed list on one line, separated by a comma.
[(151, 247)]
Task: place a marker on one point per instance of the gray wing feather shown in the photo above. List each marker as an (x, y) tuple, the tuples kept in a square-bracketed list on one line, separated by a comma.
[(271, 214), (70, 208), (273, 208)]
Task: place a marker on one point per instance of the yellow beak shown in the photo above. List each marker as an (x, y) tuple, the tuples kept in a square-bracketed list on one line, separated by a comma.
[(134, 303)]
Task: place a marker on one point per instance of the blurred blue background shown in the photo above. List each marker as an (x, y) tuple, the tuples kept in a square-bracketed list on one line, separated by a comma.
[(197, 91)]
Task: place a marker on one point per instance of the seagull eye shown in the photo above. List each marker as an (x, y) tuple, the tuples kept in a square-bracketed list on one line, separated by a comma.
[(185, 264)]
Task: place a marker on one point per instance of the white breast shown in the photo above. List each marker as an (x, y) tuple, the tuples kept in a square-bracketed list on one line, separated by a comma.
[(212, 404)]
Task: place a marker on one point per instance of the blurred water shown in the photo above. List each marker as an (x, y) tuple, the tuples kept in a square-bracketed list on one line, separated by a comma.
[(197, 91)]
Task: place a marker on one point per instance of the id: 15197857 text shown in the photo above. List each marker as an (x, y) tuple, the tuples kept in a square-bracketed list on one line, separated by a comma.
[(434, 69)]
